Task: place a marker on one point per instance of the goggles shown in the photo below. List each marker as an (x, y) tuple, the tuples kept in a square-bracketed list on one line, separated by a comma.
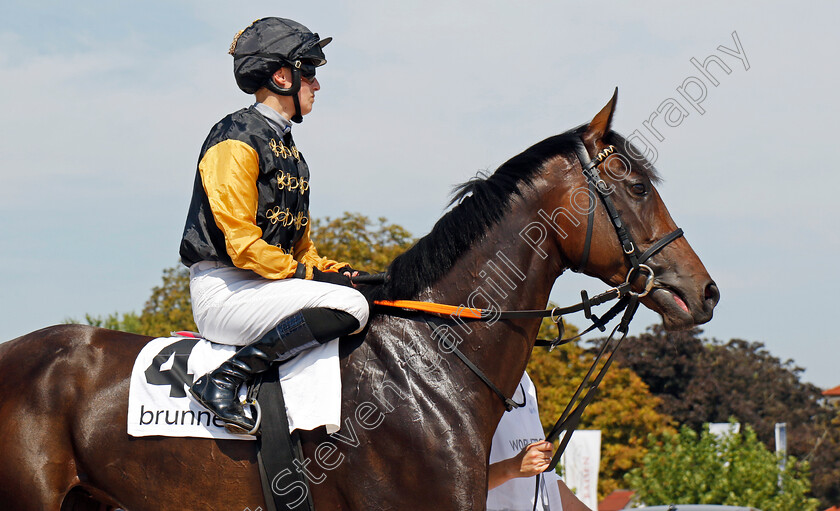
[(307, 69)]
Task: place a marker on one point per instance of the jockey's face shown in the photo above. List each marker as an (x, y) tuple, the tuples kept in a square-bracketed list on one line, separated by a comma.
[(306, 95)]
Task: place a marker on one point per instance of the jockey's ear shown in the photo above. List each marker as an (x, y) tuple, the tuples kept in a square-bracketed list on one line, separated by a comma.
[(600, 124)]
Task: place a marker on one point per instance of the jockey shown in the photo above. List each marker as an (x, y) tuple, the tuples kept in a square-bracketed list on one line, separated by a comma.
[(256, 279)]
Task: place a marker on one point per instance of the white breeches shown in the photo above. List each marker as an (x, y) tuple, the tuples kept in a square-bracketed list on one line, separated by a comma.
[(235, 306)]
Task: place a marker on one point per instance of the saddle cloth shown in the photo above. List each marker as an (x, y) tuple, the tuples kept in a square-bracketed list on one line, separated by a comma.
[(159, 403)]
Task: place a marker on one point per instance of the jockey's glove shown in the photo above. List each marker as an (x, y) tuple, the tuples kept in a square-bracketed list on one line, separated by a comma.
[(346, 268), (331, 277)]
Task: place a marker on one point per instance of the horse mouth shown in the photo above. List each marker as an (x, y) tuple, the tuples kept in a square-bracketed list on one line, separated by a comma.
[(673, 307)]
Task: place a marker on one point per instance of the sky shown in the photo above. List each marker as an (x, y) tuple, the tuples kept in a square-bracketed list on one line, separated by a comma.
[(105, 105)]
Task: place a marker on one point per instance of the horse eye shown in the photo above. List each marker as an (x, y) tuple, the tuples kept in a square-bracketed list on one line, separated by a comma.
[(639, 189)]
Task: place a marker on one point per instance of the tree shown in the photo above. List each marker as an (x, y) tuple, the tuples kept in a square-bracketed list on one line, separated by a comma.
[(128, 322), (169, 308), (624, 409), (353, 238), (673, 367), (702, 381), (825, 455), (734, 469)]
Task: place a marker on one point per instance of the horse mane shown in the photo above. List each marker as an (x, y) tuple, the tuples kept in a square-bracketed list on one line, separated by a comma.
[(480, 203)]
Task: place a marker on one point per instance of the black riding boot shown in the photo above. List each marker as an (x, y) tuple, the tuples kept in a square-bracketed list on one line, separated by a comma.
[(218, 391)]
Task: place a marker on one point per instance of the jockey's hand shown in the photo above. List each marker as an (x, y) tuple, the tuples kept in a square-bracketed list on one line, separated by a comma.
[(332, 277), (534, 459), (350, 272)]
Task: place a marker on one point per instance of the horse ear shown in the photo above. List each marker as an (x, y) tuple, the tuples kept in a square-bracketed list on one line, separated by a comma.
[(600, 124)]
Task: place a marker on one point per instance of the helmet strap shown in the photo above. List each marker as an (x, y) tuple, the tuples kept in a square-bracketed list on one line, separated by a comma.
[(297, 118), (291, 91)]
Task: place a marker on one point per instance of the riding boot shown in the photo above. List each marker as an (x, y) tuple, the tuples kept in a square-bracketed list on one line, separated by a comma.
[(218, 391)]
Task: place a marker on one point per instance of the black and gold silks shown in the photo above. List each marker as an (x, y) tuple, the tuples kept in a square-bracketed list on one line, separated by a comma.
[(250, 202)]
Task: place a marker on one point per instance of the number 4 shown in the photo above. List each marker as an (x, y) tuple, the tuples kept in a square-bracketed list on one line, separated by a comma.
[(177, 376)]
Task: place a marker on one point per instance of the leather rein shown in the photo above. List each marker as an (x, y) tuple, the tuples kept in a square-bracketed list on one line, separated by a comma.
[(628, 302)]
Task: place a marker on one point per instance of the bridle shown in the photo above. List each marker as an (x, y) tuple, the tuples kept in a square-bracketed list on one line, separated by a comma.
[(628, 302), (570, 418)]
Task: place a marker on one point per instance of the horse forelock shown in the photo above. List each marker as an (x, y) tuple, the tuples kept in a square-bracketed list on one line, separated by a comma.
[(627, 148), (479, 204)]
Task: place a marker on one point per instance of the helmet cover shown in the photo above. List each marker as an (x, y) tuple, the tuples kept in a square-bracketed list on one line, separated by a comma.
[(271, 43)]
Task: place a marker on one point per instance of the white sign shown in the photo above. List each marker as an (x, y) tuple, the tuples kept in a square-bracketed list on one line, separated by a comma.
[(723, 429), (581, 462), (781, 438)]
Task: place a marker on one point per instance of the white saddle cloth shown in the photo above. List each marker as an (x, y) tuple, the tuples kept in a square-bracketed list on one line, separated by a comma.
[(159, 402)]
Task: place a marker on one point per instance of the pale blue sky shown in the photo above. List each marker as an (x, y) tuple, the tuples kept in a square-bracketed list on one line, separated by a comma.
[(104, 107)]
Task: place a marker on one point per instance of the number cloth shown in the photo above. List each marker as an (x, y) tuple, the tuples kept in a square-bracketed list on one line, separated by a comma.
[(158, 404)]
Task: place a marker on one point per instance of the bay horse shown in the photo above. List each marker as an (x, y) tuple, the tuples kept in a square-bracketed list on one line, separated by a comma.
[(417, 424)]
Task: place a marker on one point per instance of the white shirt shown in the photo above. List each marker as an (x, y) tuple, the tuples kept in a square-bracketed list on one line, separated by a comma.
[(518, 428)]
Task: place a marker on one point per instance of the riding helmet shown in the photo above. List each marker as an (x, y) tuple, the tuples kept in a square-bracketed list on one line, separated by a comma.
[(271, 43)]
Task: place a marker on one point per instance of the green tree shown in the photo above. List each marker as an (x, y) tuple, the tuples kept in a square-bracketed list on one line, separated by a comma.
[(701, 381), (734, 469), (624, 409)]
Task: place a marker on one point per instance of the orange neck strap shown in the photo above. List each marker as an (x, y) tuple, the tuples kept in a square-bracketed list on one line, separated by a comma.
[(434, 308)]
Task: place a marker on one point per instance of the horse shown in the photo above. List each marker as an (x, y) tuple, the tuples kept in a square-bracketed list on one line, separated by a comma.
[(417, 425)]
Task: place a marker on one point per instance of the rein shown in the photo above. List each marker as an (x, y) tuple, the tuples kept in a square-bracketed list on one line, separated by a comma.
[(628, 302)]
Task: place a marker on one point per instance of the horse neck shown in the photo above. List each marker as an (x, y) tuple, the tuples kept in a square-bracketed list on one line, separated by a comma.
[(501, 271), (506, 273)]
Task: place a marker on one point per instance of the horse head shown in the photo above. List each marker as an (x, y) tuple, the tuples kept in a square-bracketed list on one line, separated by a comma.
[(679, 287)]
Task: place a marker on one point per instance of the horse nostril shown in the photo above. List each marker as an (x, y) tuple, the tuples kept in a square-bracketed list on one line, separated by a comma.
[(712, 292)]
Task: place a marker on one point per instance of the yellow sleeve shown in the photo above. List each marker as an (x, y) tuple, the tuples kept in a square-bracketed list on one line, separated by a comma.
[(306, 253), (229, 172)]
